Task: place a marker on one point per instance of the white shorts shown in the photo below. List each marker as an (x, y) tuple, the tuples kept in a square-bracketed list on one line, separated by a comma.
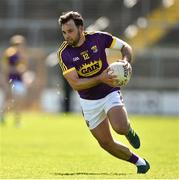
[(95, 111), (18, 88)]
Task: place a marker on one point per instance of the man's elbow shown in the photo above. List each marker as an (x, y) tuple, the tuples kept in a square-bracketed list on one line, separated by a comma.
[(76, 85), (77, 88), (128, 48)]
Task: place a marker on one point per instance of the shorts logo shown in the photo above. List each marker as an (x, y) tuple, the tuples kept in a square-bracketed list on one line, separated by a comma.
[(121, 98), (87, 123)]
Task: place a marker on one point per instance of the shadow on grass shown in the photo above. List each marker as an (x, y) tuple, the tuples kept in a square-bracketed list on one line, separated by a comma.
[(92, 174)]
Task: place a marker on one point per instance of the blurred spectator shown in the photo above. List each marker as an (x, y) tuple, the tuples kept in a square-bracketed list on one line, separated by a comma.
[(14, 66), (3, 89)]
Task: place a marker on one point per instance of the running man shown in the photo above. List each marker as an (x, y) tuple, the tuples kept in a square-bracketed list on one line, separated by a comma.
[(84, 64)]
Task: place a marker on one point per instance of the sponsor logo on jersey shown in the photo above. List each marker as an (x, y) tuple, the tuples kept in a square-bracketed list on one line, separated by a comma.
[(89, 69)]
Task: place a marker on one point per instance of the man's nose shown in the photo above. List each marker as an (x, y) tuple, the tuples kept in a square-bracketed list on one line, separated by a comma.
[(67, 36)]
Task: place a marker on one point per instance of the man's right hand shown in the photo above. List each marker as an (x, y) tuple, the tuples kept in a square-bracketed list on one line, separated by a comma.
[(107, 78)]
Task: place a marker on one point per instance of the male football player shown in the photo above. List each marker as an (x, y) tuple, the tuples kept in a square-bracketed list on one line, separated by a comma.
[(14, 64), (84, 64)]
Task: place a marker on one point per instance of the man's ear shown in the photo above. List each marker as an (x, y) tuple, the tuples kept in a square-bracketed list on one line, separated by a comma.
[(81, 28)]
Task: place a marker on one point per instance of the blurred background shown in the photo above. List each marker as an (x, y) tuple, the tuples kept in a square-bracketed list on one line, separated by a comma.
[(150, 27)]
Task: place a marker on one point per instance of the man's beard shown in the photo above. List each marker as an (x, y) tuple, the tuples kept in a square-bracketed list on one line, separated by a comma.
[(76, 41)]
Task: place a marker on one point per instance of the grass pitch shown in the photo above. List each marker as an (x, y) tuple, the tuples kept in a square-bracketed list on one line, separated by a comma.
[(61, 146)]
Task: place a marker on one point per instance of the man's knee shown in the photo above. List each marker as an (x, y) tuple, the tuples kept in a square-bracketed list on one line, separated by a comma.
[(122, 129), (106, 143)]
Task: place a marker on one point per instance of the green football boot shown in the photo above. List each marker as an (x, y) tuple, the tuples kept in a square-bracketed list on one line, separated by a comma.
[(143, 168), (133, 138)]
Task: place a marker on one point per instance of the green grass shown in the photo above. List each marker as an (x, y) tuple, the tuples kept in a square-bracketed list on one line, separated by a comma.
[(61, 146)]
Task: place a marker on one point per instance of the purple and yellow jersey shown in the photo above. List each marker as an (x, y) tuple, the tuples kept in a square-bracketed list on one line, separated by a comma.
[(12, 60), (89, 60)]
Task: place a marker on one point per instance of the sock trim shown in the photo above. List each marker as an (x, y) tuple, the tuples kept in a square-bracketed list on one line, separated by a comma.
[(133, 159)]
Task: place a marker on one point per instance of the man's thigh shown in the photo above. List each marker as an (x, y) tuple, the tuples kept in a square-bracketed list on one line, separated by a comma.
[(102, 132), (118, 119)]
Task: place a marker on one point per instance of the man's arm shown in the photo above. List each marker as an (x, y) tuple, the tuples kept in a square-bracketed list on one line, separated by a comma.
[(84, 83), (125, 49), (126, 52)]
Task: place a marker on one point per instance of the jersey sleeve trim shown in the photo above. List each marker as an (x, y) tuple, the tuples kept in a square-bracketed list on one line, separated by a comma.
[(113, 43), (61, 49), (69, 70), (117, 43)]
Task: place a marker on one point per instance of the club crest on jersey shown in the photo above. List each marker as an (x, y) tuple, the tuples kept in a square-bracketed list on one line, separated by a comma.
[(94, 49), (89, 69)]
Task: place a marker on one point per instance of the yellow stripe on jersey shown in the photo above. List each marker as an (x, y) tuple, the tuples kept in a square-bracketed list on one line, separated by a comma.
[(68, 70), (113, 43), (95, 32), (62, 64), (89, 32)]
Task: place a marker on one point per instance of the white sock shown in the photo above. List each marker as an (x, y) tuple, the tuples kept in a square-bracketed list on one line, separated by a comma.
[(140, 162)]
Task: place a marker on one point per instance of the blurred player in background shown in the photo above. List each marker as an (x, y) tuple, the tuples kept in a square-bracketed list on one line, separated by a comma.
[(14, 65), (84, 64)]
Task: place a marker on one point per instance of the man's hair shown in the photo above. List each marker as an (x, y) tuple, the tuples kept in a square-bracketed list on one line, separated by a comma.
[(75, 16), (17, 40)]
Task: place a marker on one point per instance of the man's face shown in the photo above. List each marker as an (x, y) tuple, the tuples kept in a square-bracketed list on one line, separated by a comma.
[(71, 32)]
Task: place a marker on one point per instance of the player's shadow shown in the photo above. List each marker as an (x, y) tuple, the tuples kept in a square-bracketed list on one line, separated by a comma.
[(90, 174)]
